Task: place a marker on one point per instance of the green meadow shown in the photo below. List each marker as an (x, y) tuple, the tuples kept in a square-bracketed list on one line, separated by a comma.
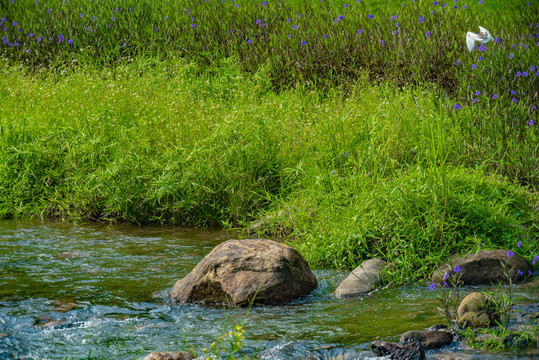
[(353, 129)]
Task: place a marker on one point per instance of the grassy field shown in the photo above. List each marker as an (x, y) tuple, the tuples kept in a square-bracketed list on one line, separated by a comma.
[(392, 141)]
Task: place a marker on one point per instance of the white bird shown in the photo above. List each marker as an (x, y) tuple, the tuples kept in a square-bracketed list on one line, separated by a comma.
[(484, 36)]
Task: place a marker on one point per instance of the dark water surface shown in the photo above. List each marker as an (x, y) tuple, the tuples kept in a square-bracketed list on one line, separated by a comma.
[(66, 290)]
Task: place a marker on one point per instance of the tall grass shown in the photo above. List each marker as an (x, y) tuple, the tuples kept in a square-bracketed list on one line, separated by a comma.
[(316, 44), (360, 134), (377, 172)]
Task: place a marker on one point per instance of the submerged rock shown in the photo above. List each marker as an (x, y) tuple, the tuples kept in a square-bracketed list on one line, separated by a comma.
[(65, 305), (409, 351), (362, 279), (169, 355), (237, 270), (485, 268), (448, 357), (476, 310), (429, 339)]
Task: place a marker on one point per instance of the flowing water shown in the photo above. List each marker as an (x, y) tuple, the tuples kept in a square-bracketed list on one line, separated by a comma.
[(66, 290)]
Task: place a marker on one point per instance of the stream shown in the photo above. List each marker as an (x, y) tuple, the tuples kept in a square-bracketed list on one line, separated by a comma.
[(67, 289)]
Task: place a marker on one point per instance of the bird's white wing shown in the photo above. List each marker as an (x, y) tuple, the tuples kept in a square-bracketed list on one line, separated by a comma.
[(483, 30), (471, 38)]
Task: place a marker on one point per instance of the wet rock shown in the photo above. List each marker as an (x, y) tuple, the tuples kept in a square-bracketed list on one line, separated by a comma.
[(69, 254), (409, 351), (429, 339), (526, 313), (485, 268), (46, 321), (438, 327), (169, 355), (236, 270), (362, 279), (64, 305), (476, 310), (448, 357)]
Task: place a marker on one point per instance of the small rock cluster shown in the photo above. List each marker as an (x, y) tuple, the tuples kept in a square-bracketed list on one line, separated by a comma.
[(237, 272), (414, 343)]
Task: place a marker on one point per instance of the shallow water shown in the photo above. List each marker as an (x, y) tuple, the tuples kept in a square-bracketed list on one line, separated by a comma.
[(66, 290)]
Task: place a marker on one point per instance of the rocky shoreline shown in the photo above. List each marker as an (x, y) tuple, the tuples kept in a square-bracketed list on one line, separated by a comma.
[(240, 272)]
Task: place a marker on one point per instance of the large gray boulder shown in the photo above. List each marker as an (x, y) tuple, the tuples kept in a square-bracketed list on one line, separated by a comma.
[(236, 270), (362, 279), (485, 268)]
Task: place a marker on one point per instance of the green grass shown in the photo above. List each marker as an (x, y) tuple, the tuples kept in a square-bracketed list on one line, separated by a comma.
[(379, 171), (394, 141)]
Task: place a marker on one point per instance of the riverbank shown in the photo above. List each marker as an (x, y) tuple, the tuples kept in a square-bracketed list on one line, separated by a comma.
[(378, 171), (309, 117)]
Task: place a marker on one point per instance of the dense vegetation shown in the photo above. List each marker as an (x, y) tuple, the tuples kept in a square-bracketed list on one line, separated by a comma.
[(352, 129)]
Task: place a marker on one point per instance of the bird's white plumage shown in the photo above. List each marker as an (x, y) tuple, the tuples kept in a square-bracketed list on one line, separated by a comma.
[(483, 36)]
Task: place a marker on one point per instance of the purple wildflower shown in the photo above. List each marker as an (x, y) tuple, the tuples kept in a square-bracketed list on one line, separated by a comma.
[(370, 16), (535, 259), (446, 276), (473, 67), (530, 123), (511, 56), (524, 74), (432, 286), (458, 62), (474, 100), (457, 106), (519, 272), (510, 253), (303, 42), (477, 93), (428, 33), (457, 269), (359, 31), (249, 41), (519, 244), (495, 96)]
